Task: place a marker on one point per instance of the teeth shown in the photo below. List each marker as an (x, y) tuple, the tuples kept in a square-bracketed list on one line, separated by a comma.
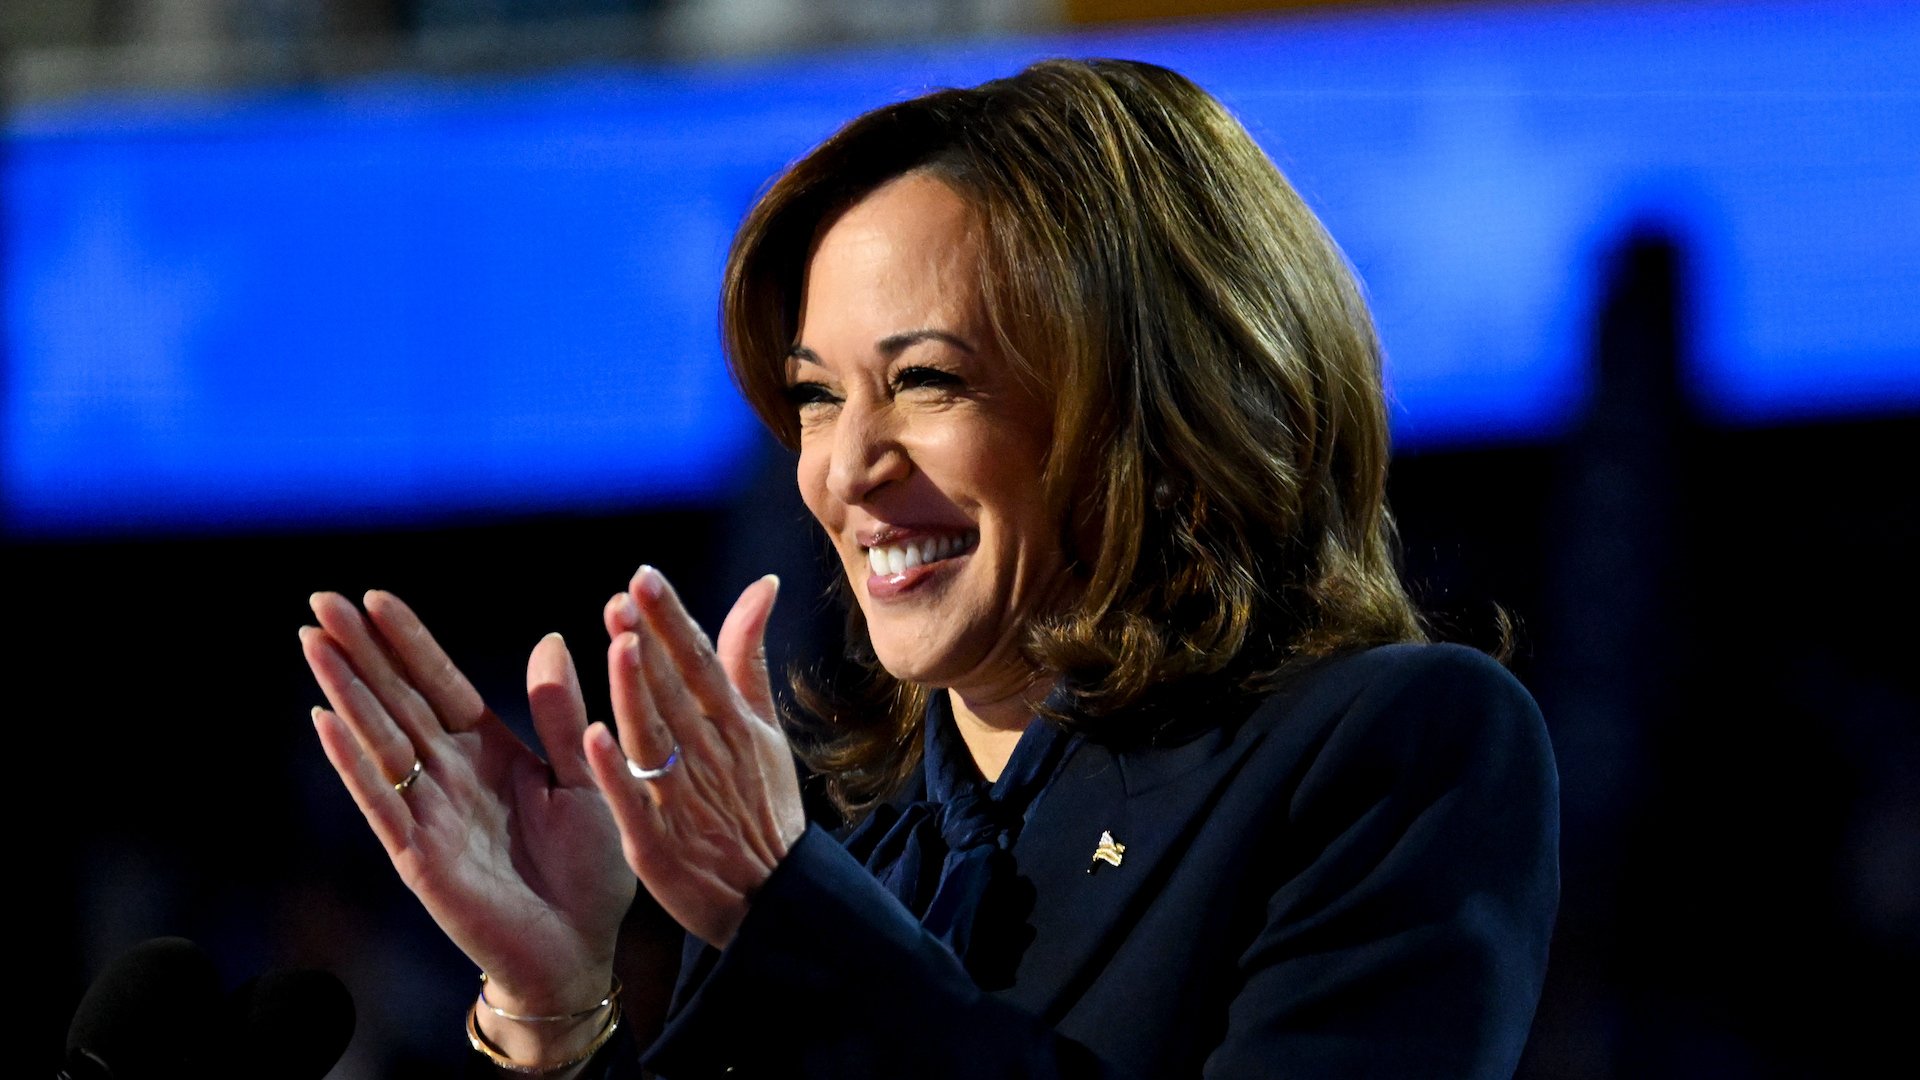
[(896, 559)]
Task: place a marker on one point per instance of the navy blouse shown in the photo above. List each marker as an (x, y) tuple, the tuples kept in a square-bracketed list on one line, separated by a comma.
[(946, 853)]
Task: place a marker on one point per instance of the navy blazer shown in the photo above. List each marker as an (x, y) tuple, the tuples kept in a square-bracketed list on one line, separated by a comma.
[(1358, 878)]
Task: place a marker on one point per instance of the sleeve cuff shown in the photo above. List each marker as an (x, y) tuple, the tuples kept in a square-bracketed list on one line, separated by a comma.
[(815, 968)]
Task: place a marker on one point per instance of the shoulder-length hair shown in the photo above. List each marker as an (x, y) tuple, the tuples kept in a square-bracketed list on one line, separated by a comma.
[(1219, 433)]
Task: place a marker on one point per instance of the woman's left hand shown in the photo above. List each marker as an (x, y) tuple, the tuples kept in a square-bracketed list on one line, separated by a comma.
[(724, 806)]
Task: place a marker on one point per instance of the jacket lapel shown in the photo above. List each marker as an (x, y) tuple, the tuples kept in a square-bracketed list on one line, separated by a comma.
[(1151, 801)]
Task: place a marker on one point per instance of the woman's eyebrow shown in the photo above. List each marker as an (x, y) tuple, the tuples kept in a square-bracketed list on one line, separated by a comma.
[(894, 344)]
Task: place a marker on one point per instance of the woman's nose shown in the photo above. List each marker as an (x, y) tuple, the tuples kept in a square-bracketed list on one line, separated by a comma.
[(867, 453)]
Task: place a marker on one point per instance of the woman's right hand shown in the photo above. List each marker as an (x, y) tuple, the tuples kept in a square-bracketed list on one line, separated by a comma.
[(516, 858)]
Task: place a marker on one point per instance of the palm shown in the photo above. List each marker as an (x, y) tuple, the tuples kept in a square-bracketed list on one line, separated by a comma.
[(518, 873), (517, 860)]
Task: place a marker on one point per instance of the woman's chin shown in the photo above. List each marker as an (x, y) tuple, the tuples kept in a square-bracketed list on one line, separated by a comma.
[(914, 664), (933, 653)]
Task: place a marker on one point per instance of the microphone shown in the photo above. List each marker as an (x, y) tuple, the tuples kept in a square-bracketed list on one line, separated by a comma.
[(146, 1015), (301, 1021), (156, 1013)]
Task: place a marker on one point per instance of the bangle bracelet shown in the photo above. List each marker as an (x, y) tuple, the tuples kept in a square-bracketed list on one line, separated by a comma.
[(613, 995), (502, 1061)]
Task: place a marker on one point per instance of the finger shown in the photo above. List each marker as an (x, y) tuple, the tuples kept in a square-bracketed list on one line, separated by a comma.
[(743, 646), (452, 697), (692, 694), (712, 760), (645, 737), (376, 666), (630, 800), (384, 808), (686, 645), (559, 710), (380, 739), (684, 877), (621, 614)]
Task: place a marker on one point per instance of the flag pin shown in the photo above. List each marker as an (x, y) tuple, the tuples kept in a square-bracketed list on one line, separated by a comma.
[(1108, 852)]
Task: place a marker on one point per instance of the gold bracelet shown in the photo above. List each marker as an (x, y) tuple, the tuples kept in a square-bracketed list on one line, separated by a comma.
[(502, 1061), (613, 995)]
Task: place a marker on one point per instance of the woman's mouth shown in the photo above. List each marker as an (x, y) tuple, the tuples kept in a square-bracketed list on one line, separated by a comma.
[(900, 564)]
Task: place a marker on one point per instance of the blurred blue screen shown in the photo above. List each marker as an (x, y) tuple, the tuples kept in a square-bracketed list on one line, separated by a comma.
[(405, 300)]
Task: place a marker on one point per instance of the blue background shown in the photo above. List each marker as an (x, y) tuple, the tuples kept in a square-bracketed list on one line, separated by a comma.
[(410, 300)]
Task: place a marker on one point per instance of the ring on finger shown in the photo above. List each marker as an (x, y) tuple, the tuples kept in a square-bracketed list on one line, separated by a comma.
[(667, 766), (401, 785)]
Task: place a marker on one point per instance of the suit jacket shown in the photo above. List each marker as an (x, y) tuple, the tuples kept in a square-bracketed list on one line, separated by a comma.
[(1358, 878)]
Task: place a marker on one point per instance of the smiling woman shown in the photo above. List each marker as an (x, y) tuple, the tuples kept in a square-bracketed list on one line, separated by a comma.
[(1149, 771), (921, 451)]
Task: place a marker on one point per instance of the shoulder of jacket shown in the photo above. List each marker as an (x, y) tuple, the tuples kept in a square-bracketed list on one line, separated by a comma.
[(1465, 691), (1398, 669), (1411, 662)]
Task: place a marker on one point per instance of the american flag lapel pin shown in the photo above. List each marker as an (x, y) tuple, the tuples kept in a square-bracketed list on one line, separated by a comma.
[(1107, 852)]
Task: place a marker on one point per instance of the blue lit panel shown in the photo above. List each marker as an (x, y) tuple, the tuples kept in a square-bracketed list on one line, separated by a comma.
[(404, 300), (370, 310)]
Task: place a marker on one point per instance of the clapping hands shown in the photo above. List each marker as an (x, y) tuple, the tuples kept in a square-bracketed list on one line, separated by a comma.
[(519, 859)]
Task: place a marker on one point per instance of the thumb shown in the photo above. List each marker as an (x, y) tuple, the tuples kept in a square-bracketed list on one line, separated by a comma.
[(742, 648), (559, 711)]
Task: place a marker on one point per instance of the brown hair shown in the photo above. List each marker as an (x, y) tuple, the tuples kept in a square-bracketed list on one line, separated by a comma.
[(1218, 421)]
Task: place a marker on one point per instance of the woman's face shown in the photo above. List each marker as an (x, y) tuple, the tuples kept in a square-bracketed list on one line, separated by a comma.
[(920, 448)]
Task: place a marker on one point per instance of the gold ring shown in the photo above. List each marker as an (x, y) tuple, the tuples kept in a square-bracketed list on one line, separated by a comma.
[(401, 785)]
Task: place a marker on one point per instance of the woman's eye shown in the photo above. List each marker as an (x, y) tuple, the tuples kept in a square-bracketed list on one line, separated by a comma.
[(802, 394), (916, 377)]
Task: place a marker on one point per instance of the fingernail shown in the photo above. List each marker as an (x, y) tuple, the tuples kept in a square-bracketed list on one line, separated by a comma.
[(649, 582), (598, 734), (630, 651), (628, 610), (775, 578), (315, 714)]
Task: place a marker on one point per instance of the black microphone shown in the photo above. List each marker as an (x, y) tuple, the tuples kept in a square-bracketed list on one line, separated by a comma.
[(146, 1015), (299, 1021), (156, 1013)]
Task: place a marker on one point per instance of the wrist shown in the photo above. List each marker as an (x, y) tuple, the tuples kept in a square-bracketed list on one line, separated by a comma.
[(573, 999), (554, 1055), (511, 1029)]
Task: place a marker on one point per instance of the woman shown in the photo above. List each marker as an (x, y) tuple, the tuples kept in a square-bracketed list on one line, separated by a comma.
[(1151, 773)]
